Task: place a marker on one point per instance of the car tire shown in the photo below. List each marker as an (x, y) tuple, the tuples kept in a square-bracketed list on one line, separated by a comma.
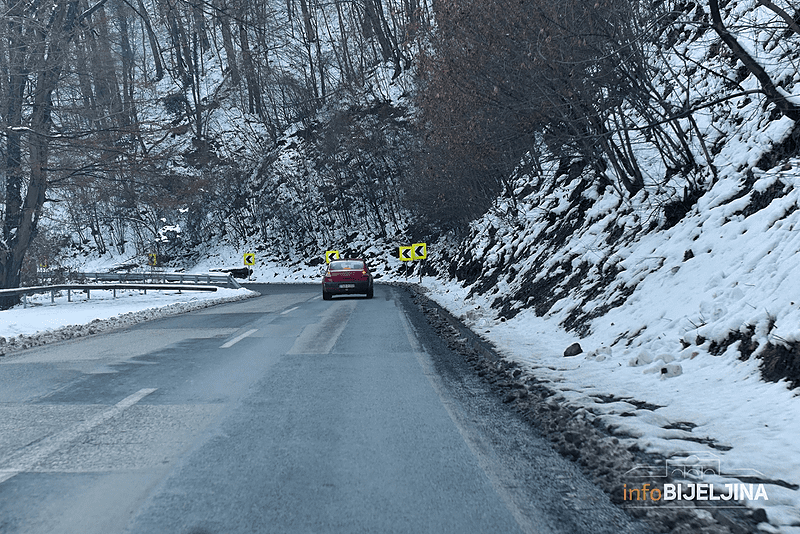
[(370, 293), (326, 296)]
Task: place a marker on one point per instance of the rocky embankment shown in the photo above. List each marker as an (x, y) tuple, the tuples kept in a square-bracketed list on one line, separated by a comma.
[(576, 436)]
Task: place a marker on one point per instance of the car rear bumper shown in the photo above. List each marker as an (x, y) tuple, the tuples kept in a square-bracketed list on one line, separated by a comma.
[(340, 288)]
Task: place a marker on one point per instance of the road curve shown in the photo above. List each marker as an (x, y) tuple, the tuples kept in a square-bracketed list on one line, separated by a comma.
[(282, 413)]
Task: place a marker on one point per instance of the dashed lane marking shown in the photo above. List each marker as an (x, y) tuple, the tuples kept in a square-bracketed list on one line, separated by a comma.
[(238, 338), (27, 458)]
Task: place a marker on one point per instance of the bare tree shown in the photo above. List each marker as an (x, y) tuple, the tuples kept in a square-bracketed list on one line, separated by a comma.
[(769, 88), (51, 37), (223, 18), (155, 48), (502, 73)]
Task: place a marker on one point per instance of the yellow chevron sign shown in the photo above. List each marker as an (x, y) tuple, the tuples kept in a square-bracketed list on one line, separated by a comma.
[(331, 255), (249, 259), (406, 254), (420, 251)]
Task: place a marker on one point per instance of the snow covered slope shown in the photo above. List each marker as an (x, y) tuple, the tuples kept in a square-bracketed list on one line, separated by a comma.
[(689, 322), (685, 299)]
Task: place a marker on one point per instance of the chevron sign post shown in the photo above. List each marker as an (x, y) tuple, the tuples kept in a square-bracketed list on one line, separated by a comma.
[(417, 251), (249, 261)]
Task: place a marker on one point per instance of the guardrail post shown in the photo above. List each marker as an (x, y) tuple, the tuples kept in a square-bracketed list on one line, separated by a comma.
[(25, 292), (232, 283)]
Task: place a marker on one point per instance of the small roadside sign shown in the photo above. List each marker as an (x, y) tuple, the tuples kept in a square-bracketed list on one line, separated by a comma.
[(331, 255), (420, 251), (249, 259), (406, 253), (152, 259)]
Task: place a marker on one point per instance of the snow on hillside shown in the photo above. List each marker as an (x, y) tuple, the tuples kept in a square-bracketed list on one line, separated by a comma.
[(677, 325), (684, 299)]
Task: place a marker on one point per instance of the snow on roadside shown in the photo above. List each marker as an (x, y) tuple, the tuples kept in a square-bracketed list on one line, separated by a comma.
[(718, 406), (42, 322), (668, 344)]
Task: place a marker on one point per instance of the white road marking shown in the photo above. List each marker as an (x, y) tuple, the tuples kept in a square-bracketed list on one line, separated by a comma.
[(27, 458), (290, 310), (238, 338)]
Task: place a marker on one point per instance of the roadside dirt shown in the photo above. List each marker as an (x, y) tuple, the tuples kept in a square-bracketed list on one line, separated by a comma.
[(599, 453)]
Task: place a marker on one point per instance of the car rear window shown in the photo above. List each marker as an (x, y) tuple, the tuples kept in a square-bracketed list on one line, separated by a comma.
[(346, 265)]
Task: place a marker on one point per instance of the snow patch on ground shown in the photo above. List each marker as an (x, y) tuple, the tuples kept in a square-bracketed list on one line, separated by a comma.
[(45, 322), (728, 410)]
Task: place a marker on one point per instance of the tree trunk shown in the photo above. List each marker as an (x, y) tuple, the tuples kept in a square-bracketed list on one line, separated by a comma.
[(374, 16), (22, 216), (767, 86), (253, 91), (151, 36), (227, 41), (199, 25), (787, 18), (177, 42), (310, 37)]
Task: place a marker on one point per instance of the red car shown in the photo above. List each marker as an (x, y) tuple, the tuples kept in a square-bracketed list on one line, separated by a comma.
[(345, 277)]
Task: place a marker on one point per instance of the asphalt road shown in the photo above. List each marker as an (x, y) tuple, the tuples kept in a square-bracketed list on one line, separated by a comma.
[(284, 414)]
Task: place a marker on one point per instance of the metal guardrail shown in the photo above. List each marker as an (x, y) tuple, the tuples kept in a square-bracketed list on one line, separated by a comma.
[(113, 281), (87, 288), (225, 280)]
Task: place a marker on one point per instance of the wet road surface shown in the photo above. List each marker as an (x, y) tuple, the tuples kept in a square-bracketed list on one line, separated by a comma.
[(282, 413)]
